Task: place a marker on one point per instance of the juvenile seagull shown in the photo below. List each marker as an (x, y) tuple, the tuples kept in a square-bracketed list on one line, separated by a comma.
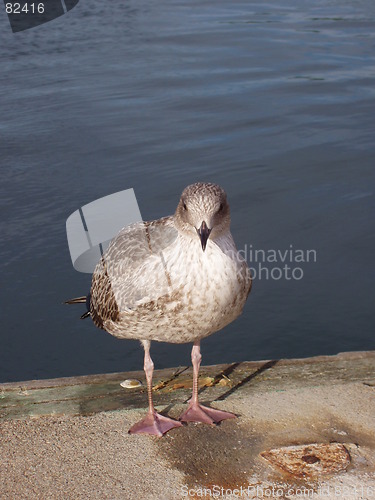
[(177, 279)]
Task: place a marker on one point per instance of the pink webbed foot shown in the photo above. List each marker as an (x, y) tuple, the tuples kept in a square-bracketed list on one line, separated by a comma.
[(200, 413), (154, 424)]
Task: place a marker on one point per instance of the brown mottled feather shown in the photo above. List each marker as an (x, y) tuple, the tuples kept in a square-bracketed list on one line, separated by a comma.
[(127, 252)]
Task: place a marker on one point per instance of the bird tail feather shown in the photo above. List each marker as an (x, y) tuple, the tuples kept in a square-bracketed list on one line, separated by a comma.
[(85, 299), (77, 300)]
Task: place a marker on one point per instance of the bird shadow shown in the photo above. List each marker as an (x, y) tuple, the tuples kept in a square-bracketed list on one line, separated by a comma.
[(261, 369), (226, 374)]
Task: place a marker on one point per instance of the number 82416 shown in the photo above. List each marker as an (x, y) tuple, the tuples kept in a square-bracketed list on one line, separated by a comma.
[(17, 8)]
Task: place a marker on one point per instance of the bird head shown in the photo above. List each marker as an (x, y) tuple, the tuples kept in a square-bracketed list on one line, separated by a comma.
[(203, 211)]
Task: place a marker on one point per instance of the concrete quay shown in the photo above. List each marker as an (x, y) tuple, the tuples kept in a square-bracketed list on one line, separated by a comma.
[(305, 429)]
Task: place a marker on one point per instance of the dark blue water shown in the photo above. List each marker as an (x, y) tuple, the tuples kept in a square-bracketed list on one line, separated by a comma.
[(275, 101)]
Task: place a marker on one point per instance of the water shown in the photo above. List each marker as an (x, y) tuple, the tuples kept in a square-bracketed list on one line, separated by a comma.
[(272, 100)]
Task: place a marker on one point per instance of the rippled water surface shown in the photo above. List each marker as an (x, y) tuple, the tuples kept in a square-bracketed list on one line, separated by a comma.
[(272, 100)]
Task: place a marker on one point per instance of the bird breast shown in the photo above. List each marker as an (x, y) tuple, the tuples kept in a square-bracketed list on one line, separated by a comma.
[(192, 294)]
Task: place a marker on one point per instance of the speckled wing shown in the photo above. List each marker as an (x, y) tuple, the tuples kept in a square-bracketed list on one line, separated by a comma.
[(132, 271)]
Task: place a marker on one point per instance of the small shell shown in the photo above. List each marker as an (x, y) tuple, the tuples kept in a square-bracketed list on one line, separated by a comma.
[(131, 383)]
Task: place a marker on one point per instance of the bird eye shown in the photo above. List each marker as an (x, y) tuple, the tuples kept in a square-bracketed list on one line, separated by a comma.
[(221, 207), (185, 207)]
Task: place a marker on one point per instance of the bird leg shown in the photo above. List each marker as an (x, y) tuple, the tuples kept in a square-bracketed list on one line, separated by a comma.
[(197, 412), (154, 423)]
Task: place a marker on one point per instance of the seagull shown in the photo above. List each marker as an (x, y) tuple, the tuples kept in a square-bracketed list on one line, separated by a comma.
[(176, 279)]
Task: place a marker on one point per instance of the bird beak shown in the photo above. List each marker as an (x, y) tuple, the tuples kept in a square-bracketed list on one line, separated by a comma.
[(203, 233)]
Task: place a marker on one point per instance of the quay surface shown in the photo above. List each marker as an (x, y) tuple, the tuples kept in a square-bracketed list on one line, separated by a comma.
[(305, 429)]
